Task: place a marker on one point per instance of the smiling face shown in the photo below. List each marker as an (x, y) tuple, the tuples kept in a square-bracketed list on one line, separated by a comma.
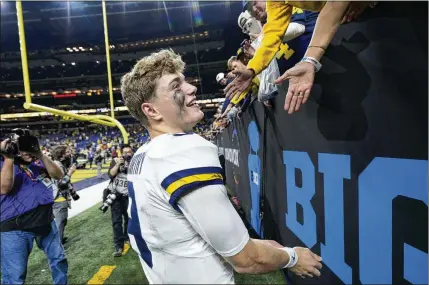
[(174, 104), (259, 10), (236, 64), (156, 93)]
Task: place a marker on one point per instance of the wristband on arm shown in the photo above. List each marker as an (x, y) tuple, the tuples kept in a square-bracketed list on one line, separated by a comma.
[(293, 257), (313, 61)]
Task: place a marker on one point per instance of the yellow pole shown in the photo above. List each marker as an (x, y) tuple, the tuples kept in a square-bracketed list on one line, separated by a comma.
[(98, 119), (109, 72), (23, 47), (117, 123), (86, 118)]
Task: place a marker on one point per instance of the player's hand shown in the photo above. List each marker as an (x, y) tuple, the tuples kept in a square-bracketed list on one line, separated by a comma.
[(308, 264), (240, 83), (121, 161), (301, 78)]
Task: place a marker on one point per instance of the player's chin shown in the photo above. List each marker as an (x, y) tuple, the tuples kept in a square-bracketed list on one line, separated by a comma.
[(194, 118), (195, 113)]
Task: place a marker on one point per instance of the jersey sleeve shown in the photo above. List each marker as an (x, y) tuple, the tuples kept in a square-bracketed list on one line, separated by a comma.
[(194, 165), (217, 222)]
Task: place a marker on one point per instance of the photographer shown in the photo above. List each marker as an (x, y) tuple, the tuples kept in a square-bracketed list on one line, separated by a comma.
[(63, 189), (119, 185), (98, 159), (26, 210)]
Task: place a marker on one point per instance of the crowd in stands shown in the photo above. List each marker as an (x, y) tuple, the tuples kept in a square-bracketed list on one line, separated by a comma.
[(86, 141), (77, 69)]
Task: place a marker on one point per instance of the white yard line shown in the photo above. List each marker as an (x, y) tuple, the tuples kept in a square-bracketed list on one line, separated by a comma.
[(88, 197)]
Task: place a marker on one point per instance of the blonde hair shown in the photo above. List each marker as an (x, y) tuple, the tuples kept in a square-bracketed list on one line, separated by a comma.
[(230, 61), (138, 86)]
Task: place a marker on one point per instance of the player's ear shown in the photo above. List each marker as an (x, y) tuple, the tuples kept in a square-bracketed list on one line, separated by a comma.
[(150, 111)]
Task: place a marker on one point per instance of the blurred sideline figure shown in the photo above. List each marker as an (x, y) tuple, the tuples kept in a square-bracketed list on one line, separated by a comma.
[(63, 189)]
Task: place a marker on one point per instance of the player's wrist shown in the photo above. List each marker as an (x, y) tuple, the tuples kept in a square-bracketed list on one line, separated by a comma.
[(293, 257)]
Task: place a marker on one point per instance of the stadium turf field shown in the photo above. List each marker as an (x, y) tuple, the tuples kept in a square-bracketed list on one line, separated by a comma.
[(82, 174), (90, 248)]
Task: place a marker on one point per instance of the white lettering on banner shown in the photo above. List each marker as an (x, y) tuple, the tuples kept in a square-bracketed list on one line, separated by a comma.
[(232, 155)]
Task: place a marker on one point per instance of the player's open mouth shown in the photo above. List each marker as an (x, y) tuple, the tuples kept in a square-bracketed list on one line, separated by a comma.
[(193, 103)]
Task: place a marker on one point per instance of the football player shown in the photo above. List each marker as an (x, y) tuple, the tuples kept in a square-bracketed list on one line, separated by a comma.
[(182, 225)]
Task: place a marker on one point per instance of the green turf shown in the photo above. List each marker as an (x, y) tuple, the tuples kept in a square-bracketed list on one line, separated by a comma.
[(90, 246)]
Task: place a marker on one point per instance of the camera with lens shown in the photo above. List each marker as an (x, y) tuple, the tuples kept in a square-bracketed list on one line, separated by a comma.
[(124, 167), (74, 195), (65, 187), (21, 140), (108, 202)]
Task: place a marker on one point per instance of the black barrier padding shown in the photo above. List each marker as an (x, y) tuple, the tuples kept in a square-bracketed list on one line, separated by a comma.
[(369, 102)]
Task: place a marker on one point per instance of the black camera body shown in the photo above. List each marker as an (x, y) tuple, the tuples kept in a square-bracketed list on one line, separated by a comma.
[(21, 140), (65, 186), (68, 189), (74, 195), (124, 167)]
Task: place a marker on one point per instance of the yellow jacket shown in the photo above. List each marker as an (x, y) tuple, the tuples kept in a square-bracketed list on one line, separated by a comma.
[(279, 15)]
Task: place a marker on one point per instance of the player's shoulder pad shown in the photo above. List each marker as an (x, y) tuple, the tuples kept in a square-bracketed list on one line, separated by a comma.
[(178, 144), (185, 163)]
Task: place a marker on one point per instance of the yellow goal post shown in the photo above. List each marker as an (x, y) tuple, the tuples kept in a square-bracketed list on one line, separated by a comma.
[(28, 105)]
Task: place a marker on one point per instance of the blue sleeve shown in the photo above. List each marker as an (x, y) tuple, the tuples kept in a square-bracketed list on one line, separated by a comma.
[(298, 17), (306, 18), (225, 104), (246, 102)]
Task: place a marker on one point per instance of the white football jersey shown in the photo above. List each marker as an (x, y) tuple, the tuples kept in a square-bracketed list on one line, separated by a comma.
[(169, 247)]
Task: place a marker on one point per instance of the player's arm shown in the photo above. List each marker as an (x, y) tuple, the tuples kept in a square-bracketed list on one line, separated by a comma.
[(212, 215), (195, 188)]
